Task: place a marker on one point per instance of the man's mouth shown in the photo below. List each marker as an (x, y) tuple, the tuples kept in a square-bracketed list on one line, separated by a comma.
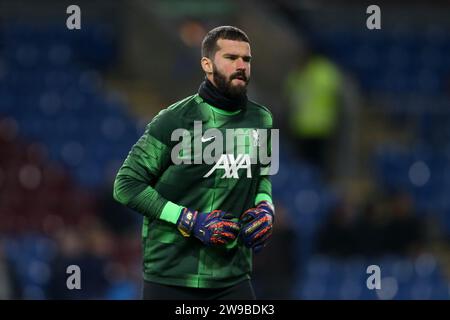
[(239, 82), (241, 78)]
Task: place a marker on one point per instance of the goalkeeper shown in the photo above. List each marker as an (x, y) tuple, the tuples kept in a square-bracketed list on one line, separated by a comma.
[(202, 221)]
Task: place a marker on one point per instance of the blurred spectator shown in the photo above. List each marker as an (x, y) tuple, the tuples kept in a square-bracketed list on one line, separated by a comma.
[(385, 226), (275, 266), (9, 282), (312, 91), (322, 105), (372, 227), (391, 227), (87, 248), (118, 218), (405, 234), (339, 234)]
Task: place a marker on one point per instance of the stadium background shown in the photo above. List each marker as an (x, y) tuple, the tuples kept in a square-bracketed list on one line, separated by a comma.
[(72, 102)]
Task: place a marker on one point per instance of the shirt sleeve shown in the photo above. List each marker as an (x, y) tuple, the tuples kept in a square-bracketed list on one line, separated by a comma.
[(135, 180), (264, 192)]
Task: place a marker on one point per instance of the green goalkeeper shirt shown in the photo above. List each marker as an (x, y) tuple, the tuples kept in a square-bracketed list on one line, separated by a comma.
[(150, 183)]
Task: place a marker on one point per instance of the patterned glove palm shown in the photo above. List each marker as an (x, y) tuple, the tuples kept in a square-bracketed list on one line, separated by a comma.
[(212, 228), (257, 225)]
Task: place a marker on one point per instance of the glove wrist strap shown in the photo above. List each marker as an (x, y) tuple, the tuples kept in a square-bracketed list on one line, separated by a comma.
[(271, 207), (186, 221)]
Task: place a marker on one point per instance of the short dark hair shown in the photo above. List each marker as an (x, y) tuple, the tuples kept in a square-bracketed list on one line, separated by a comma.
[(209, 43)]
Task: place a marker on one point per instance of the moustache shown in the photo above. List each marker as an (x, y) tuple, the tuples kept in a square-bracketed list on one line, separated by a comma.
[(239, 75)]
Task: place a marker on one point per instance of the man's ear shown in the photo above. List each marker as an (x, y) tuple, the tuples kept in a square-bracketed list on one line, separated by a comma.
[(207, 65)]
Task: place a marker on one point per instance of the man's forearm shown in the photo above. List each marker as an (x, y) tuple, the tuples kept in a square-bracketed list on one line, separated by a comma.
[(138, 196), (264, 192)]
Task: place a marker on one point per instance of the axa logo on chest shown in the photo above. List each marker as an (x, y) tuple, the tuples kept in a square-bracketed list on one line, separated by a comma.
[(243, 148)]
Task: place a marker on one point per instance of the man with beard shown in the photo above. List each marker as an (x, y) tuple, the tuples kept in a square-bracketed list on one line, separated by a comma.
[(201, 224)]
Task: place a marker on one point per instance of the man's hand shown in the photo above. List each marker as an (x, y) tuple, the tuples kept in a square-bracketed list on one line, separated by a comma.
[(257, 225), (212, 228)]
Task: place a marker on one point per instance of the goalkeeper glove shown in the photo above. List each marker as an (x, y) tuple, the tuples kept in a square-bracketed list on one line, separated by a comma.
[(212, 228), (257, 225)]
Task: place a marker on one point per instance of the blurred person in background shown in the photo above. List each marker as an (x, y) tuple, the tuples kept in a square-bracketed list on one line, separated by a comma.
[(115, 217), (87, 247), (338, 236), (275, 267), (385, 225), (321, 114), (9, 282), (405, 231), (389, 225), (194, 213)]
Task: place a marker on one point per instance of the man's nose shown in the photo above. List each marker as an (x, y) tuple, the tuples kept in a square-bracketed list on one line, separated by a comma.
[(240, 64)]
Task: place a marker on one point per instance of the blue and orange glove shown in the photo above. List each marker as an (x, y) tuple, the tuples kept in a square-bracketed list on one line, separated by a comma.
[(212, 228), (257, 224)]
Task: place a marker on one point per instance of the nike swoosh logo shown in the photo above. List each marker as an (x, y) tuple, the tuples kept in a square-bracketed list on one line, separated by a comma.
[(207, 139)]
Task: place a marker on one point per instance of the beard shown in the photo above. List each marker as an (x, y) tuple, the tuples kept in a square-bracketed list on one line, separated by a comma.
[(225, 85)]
